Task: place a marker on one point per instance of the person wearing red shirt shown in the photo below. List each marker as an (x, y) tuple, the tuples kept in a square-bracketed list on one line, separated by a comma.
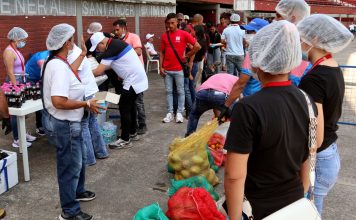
[(170, 67)]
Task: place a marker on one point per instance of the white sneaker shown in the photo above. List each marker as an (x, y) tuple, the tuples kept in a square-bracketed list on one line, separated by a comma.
[(30, 138), (179, 118), (169, 117), (16, 144)]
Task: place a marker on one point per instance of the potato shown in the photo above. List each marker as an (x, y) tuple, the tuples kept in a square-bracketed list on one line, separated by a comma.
[(177, 166), (178, 176), (185, 173), (174, 158), (195, 170), (186, 164), (197, 160)]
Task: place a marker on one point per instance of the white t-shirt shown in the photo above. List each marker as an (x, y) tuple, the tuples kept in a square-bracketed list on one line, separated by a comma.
[(85, 73), (128, 67), (59, 80), (234, 40), (150, 48)]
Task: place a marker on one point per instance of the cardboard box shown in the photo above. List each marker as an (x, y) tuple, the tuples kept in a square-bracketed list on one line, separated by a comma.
[(107, 97), (8, 172)]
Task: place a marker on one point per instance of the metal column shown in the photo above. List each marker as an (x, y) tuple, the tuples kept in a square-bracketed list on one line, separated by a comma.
[(79, 19)]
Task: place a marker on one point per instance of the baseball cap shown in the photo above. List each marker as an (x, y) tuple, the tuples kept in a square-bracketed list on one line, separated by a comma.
[(235, 18), (148, 36), (96, 39), (256, 24), (186, 17)]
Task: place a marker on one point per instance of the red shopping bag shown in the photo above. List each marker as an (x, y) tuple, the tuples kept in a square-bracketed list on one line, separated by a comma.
[(193, 204), (218, 156)]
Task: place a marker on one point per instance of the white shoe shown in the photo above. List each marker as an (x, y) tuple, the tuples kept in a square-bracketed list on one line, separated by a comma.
[(16, 144), (169, 117), (179, 118), (30, 138)]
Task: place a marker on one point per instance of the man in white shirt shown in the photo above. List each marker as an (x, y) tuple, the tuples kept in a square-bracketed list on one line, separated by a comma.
[(234, 38), (150, 47), (93, 140), (122, 58)]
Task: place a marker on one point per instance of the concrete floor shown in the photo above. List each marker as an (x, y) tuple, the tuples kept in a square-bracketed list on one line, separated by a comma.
[(131, 179)]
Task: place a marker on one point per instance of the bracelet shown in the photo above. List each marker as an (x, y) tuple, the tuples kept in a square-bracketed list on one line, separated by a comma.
[(88, 103)]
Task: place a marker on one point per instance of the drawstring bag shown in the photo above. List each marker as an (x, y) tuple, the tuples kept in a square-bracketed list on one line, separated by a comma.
[(151, 212), (193, 182), (189, 157), (193, 204)]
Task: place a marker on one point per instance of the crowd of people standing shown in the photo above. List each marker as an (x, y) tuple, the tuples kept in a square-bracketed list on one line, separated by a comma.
[(267, 65)]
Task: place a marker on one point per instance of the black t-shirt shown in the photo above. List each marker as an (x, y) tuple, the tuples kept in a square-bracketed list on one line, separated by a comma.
[(272, 126), (214, 39), (201, 53), (114, 49), (326, 85)]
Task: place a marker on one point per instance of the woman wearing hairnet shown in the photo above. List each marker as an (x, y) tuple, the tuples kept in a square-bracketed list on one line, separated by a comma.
[(321, 36), (292, 10), (64, 109), (15, 69), (267, 142)]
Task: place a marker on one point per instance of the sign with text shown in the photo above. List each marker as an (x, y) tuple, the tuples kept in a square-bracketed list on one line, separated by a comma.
[(244, 5), (89, 8)]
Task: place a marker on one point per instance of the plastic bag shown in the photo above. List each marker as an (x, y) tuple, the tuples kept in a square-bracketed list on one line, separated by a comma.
[(193, 204), (108, 131), (193, 182), (218, 155), (151, 212), (211, 160), (188, 156)]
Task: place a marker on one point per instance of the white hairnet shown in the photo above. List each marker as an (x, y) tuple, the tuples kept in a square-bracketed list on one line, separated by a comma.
[(17, 33), (324, 32), (58, 35), (276, 49), (298, 9), (94, 27)]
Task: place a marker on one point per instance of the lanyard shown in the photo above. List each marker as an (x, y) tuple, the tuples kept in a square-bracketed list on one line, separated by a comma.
[(109, 42), (18, 55), (319, 61), (278, 84), (64, 60)]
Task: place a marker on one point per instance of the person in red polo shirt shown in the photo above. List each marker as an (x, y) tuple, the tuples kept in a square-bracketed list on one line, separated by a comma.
[(171, 68)]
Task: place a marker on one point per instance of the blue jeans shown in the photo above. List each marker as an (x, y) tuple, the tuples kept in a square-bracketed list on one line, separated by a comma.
[(192, 84), (214, 57), (178, 78), (70, 155), (93, 140), (234, 64), (205, 100), (188, 97), (327, 169)]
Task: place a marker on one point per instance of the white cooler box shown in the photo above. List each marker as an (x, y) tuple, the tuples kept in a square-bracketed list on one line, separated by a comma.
[(8, 172)]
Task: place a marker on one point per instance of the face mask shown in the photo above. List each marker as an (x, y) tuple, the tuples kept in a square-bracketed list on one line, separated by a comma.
[(70, 52), (21, 44), (305, 54), (123, 35)]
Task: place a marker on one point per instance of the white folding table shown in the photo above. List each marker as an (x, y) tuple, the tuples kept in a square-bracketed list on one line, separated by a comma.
[(28, 107)]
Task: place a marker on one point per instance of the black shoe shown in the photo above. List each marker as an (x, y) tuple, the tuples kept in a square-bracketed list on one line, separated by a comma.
[(40, 131), (85, 196), (80, 216), (142, 130)]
